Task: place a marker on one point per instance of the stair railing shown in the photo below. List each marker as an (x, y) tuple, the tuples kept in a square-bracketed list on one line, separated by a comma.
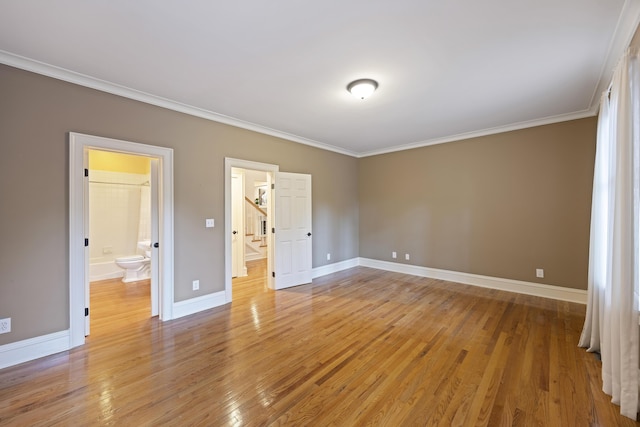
[(255, 223)]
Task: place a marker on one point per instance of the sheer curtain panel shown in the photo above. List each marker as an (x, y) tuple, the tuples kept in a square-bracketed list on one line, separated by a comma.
[(611, 325)]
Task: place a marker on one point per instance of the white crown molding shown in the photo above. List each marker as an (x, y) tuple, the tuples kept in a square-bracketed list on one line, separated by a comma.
[(484, 132), (625, 29), (627, 23), (115, 89), (59, 73)]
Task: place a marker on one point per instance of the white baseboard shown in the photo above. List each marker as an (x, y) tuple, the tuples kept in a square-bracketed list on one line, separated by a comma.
[(518, 286), (334, 268), (104, 270), (33, 348), (195, 305)]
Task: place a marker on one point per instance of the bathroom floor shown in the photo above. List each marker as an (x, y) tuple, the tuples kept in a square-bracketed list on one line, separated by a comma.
[(116, 306)]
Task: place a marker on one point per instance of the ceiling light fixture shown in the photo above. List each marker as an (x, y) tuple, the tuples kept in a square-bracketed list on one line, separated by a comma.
[(362, 88)]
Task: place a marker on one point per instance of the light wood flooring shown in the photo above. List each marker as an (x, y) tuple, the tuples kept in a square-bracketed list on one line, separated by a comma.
[(359, 347)]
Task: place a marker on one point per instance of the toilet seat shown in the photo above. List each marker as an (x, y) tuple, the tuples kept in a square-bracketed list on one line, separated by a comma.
[(130, 258), (136, 267)]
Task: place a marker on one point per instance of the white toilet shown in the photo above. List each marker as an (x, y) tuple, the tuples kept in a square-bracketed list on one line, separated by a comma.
[(136, 267)]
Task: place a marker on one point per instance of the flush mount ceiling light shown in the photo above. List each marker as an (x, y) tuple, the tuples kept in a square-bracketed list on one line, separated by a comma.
[(362, 88)]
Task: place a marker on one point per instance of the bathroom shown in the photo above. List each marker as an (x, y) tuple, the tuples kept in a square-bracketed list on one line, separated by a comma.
[(119, 216)]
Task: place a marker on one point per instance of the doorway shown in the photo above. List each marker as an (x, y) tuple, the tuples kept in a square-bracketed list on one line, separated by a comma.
[(121, 285), (231, 255), (288, 225), (250, 217), (162, 235)]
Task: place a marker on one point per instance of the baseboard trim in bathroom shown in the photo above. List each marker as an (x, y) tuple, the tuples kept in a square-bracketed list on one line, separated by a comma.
[(33, 348), (195, 305), (104, 271)]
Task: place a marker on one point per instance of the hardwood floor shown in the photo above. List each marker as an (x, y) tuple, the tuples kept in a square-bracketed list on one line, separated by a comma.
[(359, 347), (116, 306)]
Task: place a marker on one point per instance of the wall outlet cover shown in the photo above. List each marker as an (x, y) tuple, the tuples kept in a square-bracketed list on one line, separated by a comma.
[(196, 285), (5, 325)]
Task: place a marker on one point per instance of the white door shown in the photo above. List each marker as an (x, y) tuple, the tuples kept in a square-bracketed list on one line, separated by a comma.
[(155, 238), (85, 213), (237, 225), (292, 229)]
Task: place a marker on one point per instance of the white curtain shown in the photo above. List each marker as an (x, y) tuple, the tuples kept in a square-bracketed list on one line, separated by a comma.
[(611, 326)]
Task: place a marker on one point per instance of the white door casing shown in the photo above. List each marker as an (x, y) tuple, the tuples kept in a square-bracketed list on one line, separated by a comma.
[(293, 238), (78, 226), (155, 237), (237, 225), (229, 164), (86, 218)]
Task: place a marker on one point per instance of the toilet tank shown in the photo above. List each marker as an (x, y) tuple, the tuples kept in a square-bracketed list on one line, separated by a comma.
[(144, 247)]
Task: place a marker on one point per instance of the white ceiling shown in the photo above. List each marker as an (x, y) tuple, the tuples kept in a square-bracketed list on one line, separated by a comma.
[(446, 69)]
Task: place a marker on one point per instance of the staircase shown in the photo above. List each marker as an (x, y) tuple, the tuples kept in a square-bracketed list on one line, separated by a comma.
[(255, 231)]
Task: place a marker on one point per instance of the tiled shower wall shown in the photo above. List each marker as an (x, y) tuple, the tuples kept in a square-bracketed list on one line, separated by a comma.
[(119, 209)]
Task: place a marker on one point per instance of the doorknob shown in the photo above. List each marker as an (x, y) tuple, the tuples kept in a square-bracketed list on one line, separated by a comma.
[(309, 234), (156, 245), (235, 232)]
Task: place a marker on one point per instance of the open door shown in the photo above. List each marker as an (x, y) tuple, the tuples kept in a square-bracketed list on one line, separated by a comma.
[(292, 206), (155, 237), (237, 223)]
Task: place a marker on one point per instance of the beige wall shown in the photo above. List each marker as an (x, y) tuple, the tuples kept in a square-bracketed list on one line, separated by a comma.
[(500, 205), (36, 114)]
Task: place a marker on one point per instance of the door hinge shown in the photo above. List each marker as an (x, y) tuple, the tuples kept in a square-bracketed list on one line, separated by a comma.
[(273, 274), (86, 311), (273, 230), (273, 186), (86, 172), (86, 242)]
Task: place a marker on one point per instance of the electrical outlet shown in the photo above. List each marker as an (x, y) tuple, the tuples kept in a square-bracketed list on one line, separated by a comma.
[(196, 285), (328, 257), (394, 255), (209, 223), (407, 257), (539, 273), (5, 325)]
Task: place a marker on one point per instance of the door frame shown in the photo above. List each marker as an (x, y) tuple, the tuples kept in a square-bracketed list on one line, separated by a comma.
[(78, 229), (238, 214), (230, 163)]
